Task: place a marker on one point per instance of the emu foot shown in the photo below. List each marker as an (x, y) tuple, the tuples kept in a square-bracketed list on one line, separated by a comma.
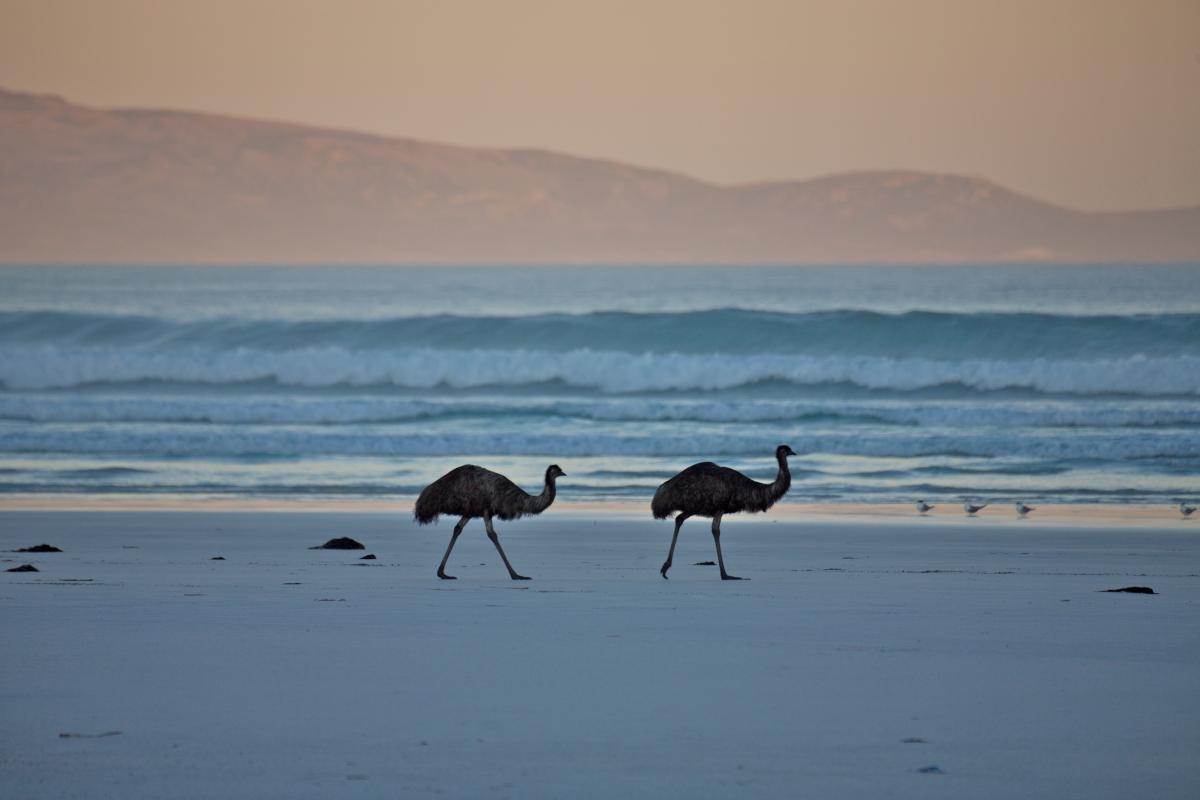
[(726, 577), (446, 577), (517, 577), (663, 570)]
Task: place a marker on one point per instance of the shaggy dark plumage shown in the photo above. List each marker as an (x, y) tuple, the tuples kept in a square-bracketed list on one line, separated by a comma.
[(710, 490), (469, 491)]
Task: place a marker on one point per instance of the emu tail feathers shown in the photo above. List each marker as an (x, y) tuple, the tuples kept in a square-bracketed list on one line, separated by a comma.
[(660, 506), (425, 511)]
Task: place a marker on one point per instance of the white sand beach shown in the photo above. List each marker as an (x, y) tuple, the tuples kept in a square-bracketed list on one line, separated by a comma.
[(933, 658)]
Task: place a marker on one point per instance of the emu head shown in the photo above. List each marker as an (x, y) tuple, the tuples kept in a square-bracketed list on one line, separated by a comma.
[(783, 451), (554, 471)]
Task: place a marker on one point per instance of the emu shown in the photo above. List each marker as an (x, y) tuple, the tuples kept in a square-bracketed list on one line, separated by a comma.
[(710, 490), (470, 491)]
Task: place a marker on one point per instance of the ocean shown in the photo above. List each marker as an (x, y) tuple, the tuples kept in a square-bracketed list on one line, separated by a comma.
[(1059, 384)]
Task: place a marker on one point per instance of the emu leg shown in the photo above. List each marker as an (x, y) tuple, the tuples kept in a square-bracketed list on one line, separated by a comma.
[(716, 529), (674, 538), (458, 529), (491, 532)]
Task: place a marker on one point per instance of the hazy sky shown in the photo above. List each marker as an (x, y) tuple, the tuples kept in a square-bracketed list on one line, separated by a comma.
[(1089, 103)]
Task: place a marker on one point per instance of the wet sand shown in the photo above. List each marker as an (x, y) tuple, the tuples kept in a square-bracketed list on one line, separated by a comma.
[(873, 653)]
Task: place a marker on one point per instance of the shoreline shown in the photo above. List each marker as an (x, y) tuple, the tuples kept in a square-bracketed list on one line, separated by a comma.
[(1107, 515)]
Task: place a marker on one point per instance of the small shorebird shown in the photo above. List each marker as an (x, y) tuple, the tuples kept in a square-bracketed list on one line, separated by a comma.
[(1023, 509), (924, 507), (972, 509), (1186, 510)]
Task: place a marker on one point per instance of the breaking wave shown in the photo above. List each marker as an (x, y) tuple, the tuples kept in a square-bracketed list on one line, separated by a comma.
[(51, 367), (170, 441), (615, 352), (993, 336), (337, 409), (878, 404)]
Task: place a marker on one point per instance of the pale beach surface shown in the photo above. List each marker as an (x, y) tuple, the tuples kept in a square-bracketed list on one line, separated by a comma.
[(866, 648)]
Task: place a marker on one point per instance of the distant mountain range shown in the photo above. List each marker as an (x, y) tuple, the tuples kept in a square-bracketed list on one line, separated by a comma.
[(80, 184)]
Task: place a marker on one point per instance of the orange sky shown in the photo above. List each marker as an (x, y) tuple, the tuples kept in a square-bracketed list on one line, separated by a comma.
[(1093, 104)]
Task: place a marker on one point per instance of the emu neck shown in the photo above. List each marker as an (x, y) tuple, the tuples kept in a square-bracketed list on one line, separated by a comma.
[(782, 481), (539, 503)]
